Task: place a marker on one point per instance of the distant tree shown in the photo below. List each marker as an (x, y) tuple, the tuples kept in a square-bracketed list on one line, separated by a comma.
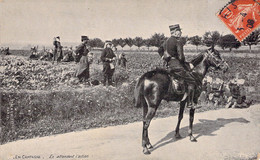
[(138, 41), (129, 42), (228, 41), (115, 42), (252, 39), (210, 39), (96, 42), (195, 40), (157, 39), (148, 43), (99, 43), (121, 42)]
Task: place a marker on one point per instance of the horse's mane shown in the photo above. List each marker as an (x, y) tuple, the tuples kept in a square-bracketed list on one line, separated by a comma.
[(197, 59)]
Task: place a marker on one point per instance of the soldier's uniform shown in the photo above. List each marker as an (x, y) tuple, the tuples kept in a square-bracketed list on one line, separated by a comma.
[(7, 51), (108, 57), (82, 71), (235, 93), (123, 61), (57, 52), (172, 52)]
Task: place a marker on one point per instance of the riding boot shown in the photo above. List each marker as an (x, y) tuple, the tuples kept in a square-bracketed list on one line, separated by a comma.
[(190, 96)]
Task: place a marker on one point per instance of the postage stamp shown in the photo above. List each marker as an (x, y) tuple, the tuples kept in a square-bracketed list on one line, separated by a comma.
[(242, 17)]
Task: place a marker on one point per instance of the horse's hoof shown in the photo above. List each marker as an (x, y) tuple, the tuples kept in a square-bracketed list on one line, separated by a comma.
[(178, 136), (149, 146), (146, 151), (193, 139)]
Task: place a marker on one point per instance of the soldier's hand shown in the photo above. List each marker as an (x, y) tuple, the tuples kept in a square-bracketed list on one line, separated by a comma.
[(191, 66)]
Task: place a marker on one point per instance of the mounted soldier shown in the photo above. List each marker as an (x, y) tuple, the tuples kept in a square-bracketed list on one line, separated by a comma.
[(172, 52)]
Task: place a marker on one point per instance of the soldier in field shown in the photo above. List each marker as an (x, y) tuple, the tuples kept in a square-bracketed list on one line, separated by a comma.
[(57, 51), (108, 58), (123, 60), (82, 51)]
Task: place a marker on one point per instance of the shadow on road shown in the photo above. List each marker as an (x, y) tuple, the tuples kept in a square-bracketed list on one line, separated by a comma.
[(204, 128)]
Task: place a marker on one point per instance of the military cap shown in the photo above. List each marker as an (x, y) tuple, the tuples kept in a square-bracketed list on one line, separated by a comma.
[(174, 27), (107, 42), (83, 38)]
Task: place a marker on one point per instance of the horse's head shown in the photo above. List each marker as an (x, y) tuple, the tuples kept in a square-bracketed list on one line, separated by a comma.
[(215, 60)]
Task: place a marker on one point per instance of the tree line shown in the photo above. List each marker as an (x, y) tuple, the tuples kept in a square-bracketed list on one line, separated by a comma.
[(209, 39)]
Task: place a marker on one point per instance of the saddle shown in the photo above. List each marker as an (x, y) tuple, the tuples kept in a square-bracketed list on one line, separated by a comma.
[(176, 86)]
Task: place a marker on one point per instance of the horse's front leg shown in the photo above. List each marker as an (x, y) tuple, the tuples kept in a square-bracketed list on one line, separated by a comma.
[(182, 106), (192, 138)]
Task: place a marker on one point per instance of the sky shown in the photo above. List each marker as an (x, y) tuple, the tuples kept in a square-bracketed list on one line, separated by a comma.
[(38, 21)]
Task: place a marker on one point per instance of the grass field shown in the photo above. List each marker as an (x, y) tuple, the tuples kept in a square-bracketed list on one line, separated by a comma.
[(40, 99)]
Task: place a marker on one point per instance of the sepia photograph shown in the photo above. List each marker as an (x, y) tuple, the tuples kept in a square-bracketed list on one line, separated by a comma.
[(129, 79)]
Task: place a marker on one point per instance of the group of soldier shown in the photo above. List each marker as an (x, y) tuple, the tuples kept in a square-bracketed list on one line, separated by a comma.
[(5, 51), (84, 58), (231, 94), (176, 65)]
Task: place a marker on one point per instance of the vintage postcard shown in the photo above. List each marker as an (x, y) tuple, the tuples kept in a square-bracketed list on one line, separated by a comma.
[(129, 79)]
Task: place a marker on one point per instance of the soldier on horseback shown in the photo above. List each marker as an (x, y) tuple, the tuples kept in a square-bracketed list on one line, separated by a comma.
[(172, 52)]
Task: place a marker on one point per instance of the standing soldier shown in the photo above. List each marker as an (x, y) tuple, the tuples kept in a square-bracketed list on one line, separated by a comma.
[(123, 61), (108, 57), (83, 69), (2, 50), (7, 51), (57, 52), (172, 52)]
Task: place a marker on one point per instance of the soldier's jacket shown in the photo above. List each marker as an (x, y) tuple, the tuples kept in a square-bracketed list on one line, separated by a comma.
[(82, 50), (235, 90), (175, 48), (216, 86), (57, 45), (107, 53)]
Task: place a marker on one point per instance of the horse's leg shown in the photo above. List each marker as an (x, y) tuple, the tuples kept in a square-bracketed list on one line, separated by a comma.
[(182, 106), (192, 138), (146, 141), (145, 130), (152, 103)]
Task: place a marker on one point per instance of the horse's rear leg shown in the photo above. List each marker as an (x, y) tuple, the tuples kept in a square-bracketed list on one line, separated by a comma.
[(192, 138), (146, 122), (182, 106)]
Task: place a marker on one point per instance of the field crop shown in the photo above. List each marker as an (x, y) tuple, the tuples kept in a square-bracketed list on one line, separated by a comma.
[(39, 98)]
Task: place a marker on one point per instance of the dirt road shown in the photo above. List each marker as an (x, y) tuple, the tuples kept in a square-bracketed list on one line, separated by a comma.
[(221, 134)]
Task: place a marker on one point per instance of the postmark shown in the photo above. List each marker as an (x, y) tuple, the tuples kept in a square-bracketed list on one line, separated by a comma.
[(242, 17)]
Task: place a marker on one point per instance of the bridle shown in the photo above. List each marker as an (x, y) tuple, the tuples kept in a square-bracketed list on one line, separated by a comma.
[(213, 60)]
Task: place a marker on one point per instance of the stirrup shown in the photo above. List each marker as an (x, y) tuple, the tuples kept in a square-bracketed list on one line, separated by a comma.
[(193, 106)]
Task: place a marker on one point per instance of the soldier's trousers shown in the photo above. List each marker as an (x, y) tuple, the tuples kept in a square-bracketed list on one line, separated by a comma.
[(177, 70), (108, 74)]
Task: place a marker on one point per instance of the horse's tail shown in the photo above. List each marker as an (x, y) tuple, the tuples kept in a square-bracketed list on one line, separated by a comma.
[(138, 93)]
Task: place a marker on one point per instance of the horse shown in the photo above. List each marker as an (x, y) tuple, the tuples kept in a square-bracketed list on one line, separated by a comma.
[(153, 87)]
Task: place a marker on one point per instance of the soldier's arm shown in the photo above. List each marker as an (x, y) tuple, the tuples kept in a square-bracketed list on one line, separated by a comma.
[(180, 51), (103, 56), (79, 48), (161, 50)]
